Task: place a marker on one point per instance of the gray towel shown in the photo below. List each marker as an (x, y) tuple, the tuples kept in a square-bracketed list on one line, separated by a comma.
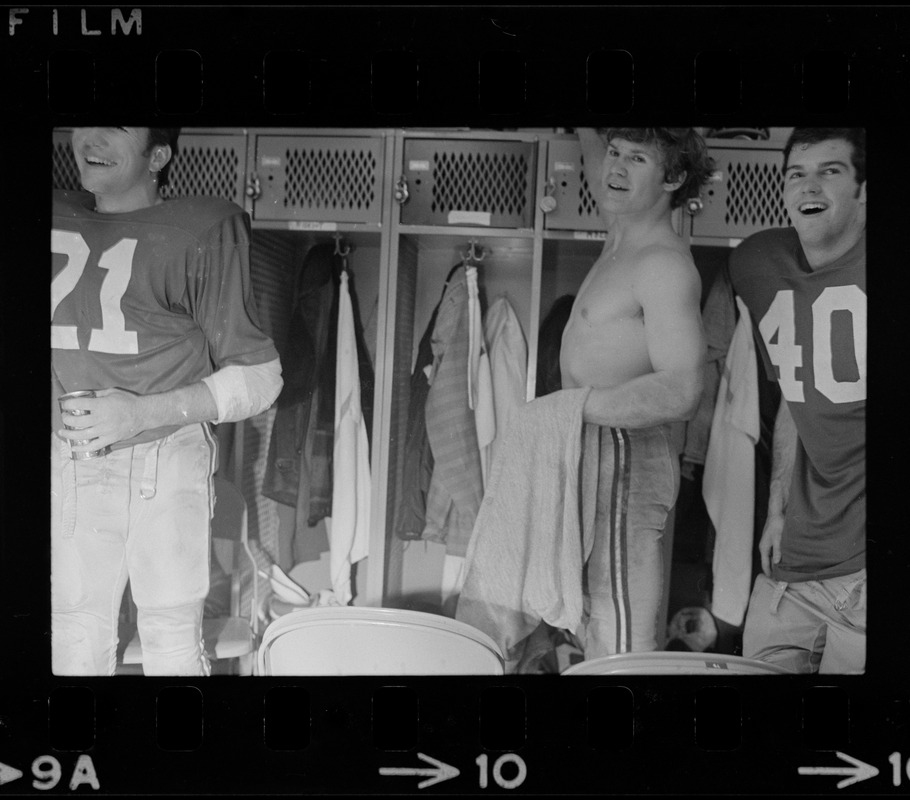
[(529, 544)]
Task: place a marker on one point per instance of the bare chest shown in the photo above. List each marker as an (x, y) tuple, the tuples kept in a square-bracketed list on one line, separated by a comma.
[(607, 295)]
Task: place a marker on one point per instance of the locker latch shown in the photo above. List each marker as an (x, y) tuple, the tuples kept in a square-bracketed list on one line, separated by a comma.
[(548, 202), (401, 190), (253, 187), (694, 206)]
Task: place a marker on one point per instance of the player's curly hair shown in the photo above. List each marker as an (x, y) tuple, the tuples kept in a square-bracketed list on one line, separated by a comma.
[(855, 137), (682, 150), (163, 136)]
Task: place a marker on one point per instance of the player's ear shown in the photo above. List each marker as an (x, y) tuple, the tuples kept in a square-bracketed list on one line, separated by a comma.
[(161, 154), (679, 180)]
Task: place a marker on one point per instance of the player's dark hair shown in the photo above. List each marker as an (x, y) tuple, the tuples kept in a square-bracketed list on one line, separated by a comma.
[(855, 137), (682, 150), (163, 136)]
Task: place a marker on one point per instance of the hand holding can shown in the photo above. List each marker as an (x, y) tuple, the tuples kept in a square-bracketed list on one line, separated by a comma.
[(87, 454)]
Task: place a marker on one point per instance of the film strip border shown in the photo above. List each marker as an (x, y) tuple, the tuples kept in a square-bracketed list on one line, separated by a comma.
[(376, 736), (452, 66), (501, 67)]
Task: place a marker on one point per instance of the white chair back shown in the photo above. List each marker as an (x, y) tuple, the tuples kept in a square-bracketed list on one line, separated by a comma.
[(673, 663), (375, 641)]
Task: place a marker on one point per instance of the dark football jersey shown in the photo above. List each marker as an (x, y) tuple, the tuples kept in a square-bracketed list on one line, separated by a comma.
[(150, 300), (812, 331)]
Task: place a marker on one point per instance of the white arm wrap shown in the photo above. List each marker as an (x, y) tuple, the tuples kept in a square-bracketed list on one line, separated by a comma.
[(243, 391)]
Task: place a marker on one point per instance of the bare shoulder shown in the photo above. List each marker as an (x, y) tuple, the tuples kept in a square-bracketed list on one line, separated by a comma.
[(665, 266)]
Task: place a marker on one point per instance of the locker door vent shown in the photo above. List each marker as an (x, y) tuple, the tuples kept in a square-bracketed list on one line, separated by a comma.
[(203, 170), (492, 182), (330, 180), (587, 205), (470, 182), (755, 196), (65, 171)]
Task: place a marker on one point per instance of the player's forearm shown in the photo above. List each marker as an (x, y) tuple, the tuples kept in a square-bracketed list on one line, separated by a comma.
[(183, 406), (243, 391), (783, 454), (648, 400), (232, 394)]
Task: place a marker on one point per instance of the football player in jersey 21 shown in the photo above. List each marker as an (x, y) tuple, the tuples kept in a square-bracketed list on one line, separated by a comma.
[(152, 310)]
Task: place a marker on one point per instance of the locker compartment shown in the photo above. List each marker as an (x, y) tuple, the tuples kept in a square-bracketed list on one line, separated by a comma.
[(277, 256), (336, 179), (415, 567), (745, 196), (568, 186), (478, 183)]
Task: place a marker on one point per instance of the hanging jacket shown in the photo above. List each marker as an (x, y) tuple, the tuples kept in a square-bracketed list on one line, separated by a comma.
[(417, 465), (322, 470), (719, 320), (349, 527), (729, 479), (480, 378), (508, 365), (287, 464), (456, 486)]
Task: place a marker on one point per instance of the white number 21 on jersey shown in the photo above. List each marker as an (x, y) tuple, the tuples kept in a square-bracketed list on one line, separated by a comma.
[(112, 336), (779, 323)]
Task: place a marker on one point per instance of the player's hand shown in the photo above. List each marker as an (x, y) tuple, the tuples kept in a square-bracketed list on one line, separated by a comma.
[(769, 545), (113, 415)]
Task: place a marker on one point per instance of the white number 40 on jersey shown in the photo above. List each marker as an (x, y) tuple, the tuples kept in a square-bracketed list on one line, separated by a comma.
[(779, 323)]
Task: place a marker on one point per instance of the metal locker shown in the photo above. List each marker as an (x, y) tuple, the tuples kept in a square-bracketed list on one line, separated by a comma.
[(319, 178), (473, 183), (209, 165), (745, 195), (65, 174), (567, 183)]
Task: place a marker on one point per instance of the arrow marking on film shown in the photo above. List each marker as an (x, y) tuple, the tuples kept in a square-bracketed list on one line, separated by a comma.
[(9, 774), (438, 773), (860, 771)]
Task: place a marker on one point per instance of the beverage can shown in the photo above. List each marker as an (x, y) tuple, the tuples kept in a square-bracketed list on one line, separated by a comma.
[(81, 456)]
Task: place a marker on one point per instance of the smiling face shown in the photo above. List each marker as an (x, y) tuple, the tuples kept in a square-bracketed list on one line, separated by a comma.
[(115, 165), (825, 203), (634, 178)]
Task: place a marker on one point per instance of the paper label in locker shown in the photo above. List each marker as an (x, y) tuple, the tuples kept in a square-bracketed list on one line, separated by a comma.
[(563, 166), (589, 235), (270, 161), (419, 166), (470, 218), (295, 225)]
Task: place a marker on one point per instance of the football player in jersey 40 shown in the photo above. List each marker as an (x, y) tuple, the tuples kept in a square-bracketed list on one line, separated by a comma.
[(805, 288), (153, 318)]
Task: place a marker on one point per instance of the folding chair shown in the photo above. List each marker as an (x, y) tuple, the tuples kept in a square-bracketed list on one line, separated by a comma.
[(673, 663), (232, 637), (375, 641)]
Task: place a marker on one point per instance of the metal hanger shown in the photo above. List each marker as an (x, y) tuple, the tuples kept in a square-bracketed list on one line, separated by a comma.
[(343, 252), (472, 257)]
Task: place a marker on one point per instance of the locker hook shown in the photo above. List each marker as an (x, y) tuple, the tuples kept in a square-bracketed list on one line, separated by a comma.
[(471, 255), (338, 250)]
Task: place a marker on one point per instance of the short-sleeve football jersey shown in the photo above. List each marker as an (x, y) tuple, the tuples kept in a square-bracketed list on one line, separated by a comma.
[(812, 330), (150, 300)]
